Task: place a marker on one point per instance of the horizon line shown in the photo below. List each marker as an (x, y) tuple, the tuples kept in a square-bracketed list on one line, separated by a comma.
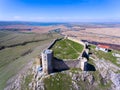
[(61, 21)]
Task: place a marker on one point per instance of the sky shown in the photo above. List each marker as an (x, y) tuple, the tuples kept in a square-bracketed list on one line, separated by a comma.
[(60, 10)]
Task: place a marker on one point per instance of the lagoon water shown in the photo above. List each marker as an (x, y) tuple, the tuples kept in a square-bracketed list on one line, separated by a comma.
[(4, 23)]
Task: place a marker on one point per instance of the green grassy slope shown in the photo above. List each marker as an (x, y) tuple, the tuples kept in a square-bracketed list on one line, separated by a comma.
[(104, 55), (67, 49), (60, 81), (15, 58)]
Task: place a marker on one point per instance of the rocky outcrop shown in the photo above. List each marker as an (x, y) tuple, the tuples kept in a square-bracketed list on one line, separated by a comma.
[(76, 79), (108, 72), (115, 78), (81, 80), (16, 81)]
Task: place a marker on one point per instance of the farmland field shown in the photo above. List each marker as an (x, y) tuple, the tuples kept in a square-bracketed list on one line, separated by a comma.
[(104, 35)]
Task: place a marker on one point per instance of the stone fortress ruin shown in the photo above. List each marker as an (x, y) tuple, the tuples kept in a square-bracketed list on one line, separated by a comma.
[(47, 61), (51, 64)]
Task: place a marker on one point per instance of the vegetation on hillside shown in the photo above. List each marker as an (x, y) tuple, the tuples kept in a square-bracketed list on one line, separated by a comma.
[(67, 49), (27, 81), (13, 59), (104, 55), (59, 81)]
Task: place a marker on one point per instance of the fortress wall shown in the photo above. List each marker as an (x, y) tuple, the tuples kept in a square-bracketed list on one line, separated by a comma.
[(76, 40), (64, 65), (70, 38), (54, 41), (73, 64), (60, 65)]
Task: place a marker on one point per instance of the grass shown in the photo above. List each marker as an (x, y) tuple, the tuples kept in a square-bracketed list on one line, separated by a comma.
[(90, 61), (104, 55), (75, 70), (59, 81), (67, 49), (28, 80), (2, 34), (117, 71), (12, 38), (11, 59)]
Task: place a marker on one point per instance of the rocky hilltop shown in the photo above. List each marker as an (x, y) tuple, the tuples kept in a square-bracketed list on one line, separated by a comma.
[(104, 76)]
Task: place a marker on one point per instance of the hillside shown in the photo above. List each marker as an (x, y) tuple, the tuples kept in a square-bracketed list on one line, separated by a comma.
[(105, 75), (19, 49)]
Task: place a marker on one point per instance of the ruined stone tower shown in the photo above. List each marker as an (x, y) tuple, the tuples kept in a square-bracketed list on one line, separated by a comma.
[(83, 64), (47, 58)]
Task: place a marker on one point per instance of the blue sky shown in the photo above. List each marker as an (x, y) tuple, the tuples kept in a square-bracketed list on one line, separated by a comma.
[(60, 10)]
